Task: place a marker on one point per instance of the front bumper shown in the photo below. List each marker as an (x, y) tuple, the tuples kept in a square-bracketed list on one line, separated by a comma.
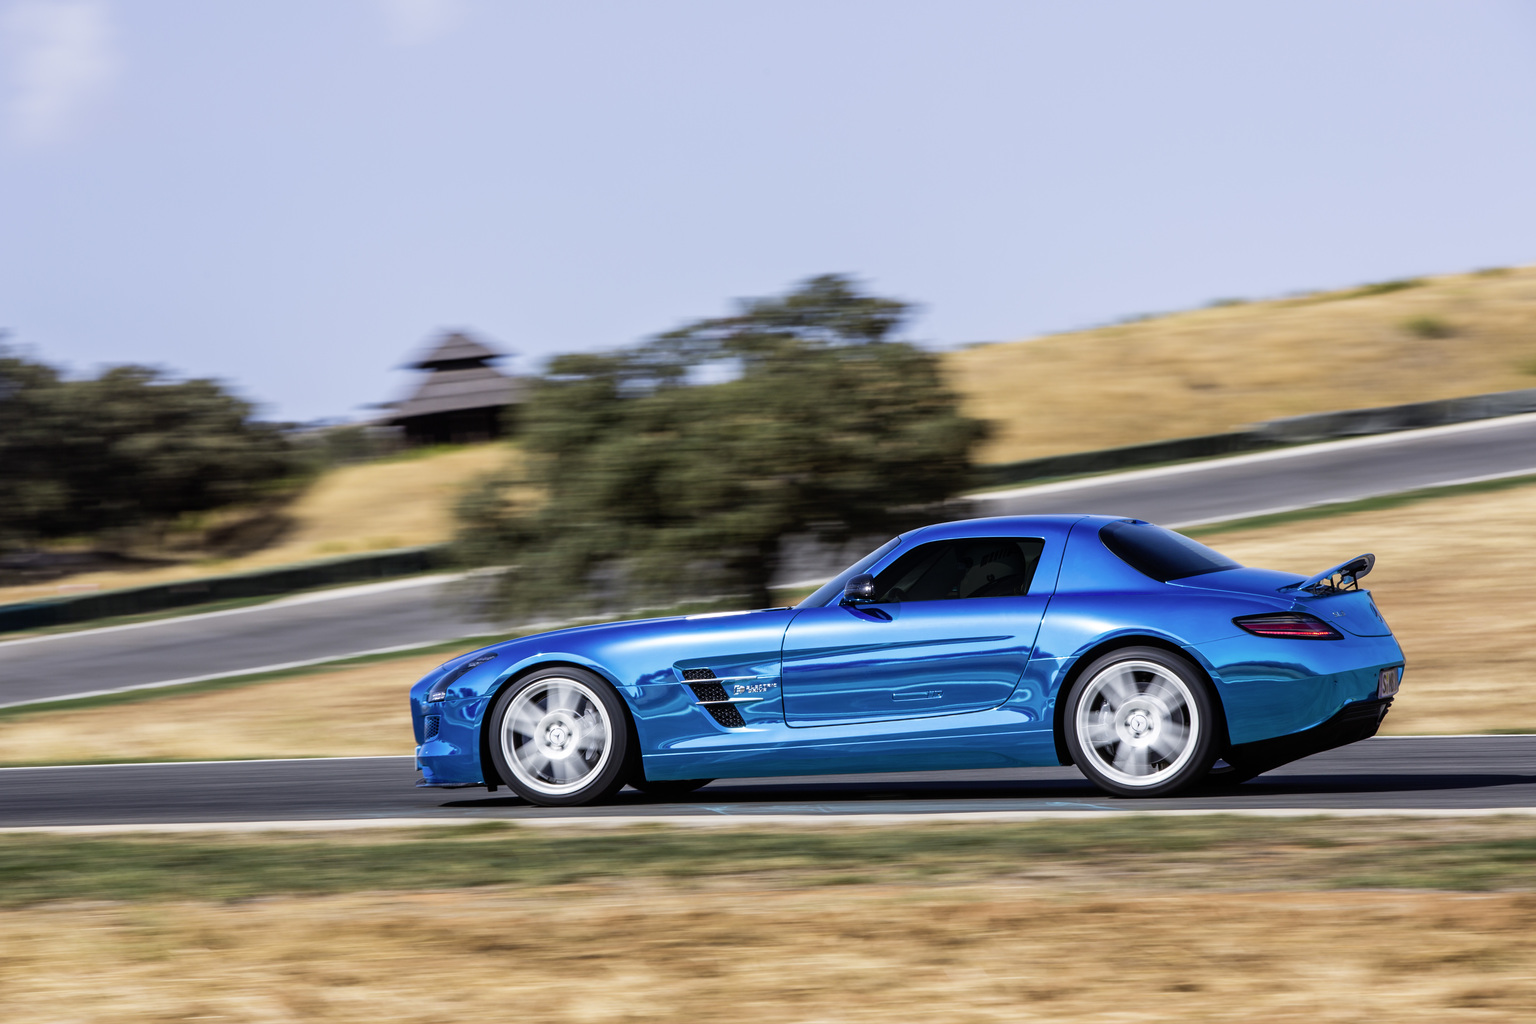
[(448, 751)]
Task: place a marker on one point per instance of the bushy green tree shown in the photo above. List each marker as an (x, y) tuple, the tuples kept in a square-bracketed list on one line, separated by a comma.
[(644, 483), (32, 418), (122, 449)]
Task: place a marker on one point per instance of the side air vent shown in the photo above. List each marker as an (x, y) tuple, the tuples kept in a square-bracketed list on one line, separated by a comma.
[(708, 692), (430, 726), (726, 715), (711, 695)]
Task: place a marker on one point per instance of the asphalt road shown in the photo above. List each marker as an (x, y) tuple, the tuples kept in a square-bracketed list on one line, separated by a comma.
[(311, 626), (1290, 478), (1450, 773), (339, 623)]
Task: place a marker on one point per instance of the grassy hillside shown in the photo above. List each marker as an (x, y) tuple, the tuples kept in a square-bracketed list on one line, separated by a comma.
[(1217, 369), (393, 503)]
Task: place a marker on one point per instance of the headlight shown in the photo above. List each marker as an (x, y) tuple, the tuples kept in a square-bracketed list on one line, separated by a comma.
[(439, 690)]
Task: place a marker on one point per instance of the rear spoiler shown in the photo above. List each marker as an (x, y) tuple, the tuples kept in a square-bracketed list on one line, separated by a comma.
[(1342, 577)]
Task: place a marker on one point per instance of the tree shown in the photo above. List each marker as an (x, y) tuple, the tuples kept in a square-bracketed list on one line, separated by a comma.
[(32, 420), (125, 448), (644, 485)]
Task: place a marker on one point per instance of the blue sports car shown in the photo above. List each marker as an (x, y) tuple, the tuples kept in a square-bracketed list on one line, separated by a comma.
[(1148, 660)]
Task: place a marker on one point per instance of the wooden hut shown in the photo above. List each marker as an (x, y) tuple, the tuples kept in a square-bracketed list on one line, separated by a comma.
[(462, 398)]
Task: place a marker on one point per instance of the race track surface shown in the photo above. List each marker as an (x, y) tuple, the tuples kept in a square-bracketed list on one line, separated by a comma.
[(338, 623), (1466, 773), (1219, 489), (422, 611)]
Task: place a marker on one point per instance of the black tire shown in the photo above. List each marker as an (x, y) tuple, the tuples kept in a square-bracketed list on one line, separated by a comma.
[(560, 737), (669, 788), (1140, 722)]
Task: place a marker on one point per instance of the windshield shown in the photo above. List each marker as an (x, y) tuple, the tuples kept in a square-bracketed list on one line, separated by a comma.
[(834, 586)]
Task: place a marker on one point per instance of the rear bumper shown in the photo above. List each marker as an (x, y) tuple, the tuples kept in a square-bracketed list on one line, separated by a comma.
[(1272, 689), (1356, 721)]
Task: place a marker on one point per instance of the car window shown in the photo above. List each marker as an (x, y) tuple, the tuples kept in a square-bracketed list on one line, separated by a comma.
[(1159, 553), (955, 569)]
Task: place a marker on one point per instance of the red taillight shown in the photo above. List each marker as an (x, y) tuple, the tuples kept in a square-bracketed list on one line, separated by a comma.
[(1289, 626)]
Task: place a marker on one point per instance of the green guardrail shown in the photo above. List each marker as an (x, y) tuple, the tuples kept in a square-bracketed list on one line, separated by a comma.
[(1320, 426), (1108, 459), (59, 611)]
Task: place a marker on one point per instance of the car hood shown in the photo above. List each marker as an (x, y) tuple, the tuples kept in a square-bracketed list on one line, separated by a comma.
[(560, 636)]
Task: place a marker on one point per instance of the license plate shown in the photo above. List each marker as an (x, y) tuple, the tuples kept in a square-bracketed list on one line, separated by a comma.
[(1388, 680)]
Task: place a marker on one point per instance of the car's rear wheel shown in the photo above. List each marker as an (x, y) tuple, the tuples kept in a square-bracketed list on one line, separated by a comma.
[(560, 737), (1140, 722), (669, 788)]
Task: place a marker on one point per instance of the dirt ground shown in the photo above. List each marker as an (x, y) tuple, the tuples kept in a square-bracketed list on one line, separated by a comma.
[(650, 951), (1213, 370)]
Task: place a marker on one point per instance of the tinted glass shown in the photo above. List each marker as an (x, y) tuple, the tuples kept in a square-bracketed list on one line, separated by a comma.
[(954, 569), (834, 587), (1159, 553)]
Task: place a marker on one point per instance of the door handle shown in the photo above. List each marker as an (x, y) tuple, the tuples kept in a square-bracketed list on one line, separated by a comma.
[(868, 614)]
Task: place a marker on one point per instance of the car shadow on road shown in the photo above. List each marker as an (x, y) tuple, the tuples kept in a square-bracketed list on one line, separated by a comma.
[(1352, 790)]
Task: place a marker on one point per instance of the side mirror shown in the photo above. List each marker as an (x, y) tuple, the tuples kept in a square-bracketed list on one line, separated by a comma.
[(859, 589)]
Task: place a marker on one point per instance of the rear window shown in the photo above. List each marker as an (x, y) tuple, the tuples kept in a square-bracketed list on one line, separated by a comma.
[(1159, 553)]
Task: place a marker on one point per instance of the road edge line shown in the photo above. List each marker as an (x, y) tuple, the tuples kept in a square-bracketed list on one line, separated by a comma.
[(259, 670), (1296, 451), (229, 760), (707, 820), (278, 602)]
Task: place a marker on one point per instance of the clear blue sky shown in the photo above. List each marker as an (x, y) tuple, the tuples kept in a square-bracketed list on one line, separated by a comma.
[(293, 194)]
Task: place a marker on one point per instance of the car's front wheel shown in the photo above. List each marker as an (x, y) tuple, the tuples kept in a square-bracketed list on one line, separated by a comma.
[(1140, 722), (560, 737)]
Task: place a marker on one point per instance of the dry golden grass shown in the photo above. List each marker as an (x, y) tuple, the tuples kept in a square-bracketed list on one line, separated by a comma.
[(1456, 578), (642, 950), (1214, 370), (380, 505), (369, 507), (366, 713)]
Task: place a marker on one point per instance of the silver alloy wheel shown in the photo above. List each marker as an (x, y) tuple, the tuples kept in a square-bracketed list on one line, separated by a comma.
[(555, 735), (1139, 721)]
